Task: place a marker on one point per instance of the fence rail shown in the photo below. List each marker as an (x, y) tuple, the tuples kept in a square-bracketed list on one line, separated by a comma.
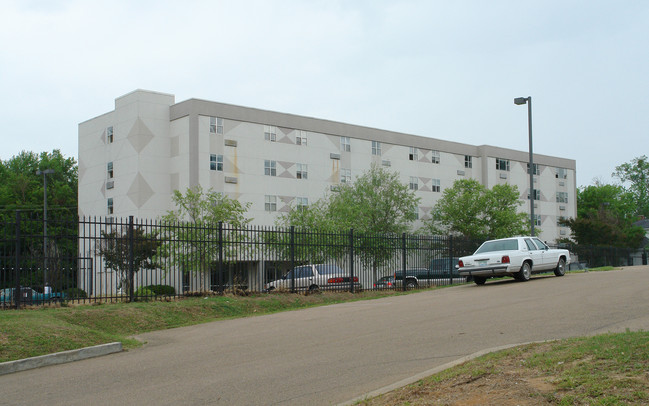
[(105, 259)]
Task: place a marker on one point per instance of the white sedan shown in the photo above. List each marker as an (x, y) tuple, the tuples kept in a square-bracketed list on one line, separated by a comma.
[(519, 257)]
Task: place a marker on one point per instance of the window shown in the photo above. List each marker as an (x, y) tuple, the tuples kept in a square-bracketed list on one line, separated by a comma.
[(537, 194), (502, 164), (270, 168), (560, 221), (537, 219), (109, 170), (376, 148), (270, 133), (562, 197), (436, 185), (302, 171), (110, 205), (109, 134), (562, 173), (300, 137), (270, 203), (345, 144), (468, 161), (345, 176), (414, 183), (302, 203), (537, 171), (413, 156), (216, 162), (415, 213), (216, 125), (435, 157)]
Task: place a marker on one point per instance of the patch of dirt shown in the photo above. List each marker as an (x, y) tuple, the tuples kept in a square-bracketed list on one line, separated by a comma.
[(508, 385)]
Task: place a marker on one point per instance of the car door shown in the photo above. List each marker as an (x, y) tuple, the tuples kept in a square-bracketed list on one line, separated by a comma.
[(304, 277), (548, 259), (535, 253)]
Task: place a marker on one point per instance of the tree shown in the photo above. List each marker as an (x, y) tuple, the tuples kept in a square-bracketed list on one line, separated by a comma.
[(473, 211), (115, 248), (605, 215), (375, 205), (193, 243), (636, 173)]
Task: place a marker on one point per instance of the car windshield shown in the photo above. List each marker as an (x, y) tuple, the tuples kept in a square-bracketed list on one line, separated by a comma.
[(499, 245)]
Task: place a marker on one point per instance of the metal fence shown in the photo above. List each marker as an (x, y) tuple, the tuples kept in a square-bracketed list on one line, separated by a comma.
[(104, 259)]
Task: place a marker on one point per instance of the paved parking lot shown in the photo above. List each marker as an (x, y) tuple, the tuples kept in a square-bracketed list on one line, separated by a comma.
[(331, 354)]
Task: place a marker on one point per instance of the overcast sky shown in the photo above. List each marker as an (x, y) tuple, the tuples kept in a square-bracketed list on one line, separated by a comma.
[(443, 69)]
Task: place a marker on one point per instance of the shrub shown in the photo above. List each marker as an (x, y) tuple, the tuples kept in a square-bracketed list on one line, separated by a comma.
[(165, 290), (144, 293)]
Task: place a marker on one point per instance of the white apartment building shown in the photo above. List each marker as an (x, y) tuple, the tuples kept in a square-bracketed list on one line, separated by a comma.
[(131, 160)]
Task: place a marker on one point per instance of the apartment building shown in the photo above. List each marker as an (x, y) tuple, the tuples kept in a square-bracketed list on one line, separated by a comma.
[(131, 160)]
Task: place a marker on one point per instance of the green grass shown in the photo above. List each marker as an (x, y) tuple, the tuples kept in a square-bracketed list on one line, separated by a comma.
[(38, 331)]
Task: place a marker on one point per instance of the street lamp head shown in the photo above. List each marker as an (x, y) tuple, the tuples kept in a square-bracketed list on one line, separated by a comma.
[(45, 172), (520, 100)]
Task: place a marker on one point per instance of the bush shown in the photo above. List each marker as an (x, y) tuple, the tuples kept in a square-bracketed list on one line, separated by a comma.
[(75, 293), (144, 293), (165, 290)]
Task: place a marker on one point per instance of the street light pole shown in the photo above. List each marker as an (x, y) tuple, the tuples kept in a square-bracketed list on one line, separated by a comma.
[(528, 101), (45, 173)]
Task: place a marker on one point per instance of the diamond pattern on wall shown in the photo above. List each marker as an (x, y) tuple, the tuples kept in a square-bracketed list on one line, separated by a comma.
[(139, 136), (140, 192)]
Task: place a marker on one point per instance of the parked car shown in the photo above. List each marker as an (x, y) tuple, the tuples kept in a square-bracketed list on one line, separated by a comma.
[(315, 277), (519, 257), (386, 282), (30, 296)]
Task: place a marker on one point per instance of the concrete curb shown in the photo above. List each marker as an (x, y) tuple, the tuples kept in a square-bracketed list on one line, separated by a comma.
[(59, 358), (430, 372)]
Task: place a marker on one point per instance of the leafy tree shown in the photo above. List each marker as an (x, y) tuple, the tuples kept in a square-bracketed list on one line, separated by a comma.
[(22, 189), (114, 247), (605, 215), (636, 173), (471, 210), (192, 245), (375, 205)]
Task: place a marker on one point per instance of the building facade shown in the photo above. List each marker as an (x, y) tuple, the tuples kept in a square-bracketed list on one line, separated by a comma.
[(132, 159)]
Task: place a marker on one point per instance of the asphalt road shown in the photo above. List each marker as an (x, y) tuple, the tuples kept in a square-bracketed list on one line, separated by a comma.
[(335, 353)]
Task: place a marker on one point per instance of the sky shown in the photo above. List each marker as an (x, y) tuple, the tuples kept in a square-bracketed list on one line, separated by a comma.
[(441, 69)]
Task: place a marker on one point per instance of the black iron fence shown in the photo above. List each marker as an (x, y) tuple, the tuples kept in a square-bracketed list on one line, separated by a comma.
[(103, 259)]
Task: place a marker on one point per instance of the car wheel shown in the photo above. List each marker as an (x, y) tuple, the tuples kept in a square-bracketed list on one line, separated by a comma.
[(411, 285), (313, 288), (54, 300), (270, 289), (560, 270), (524, 274), (479, 280)]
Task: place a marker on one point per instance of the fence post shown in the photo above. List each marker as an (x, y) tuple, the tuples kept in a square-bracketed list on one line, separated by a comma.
[(292, 253), (451, 262), (17, 292), (220, 266), (404, 263), (131, 263), (351, 260)]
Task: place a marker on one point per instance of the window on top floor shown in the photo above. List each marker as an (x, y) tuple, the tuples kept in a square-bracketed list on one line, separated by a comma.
[(376, 148), (502, 164), (436, 157), (345, 144), (270, 133), (537, 170), (468, 161), (413, 155), (301, 137), (216, 125)]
